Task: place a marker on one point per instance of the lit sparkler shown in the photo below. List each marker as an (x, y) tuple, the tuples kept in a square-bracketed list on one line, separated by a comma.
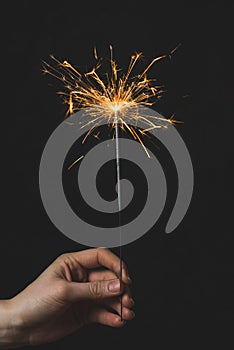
[(114, 97)]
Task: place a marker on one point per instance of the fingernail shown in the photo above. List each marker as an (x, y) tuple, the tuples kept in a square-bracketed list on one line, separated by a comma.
[(132, 301), (133, 314), (114, 286)]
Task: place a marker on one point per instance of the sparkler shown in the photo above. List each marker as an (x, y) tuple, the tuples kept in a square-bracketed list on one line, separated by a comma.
[(115, 98)]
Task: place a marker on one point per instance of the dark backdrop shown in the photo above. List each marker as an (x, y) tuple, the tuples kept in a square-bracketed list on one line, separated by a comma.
[(183, 282)]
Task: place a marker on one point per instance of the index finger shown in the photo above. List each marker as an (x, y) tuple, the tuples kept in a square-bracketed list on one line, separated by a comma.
[(97, 257)]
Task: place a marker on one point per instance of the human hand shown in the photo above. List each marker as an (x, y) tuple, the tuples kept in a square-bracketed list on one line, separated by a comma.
[(71, 293)]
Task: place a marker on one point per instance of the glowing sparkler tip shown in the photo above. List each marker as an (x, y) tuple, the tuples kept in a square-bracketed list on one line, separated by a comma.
[(115, 97), (117, 106)]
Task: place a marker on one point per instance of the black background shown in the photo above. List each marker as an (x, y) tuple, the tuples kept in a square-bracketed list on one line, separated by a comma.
[(183, 282)]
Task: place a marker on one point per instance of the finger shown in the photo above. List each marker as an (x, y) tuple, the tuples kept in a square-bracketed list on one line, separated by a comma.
[(107, 318), (127, 292), (127, 300), (95, 290), (127, 313), (101, 275), (92, 258)]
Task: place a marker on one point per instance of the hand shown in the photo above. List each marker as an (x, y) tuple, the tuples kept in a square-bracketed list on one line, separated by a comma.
[(70, 293)]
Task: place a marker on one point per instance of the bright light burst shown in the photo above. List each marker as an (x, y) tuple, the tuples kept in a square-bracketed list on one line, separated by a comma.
[(114, 96)]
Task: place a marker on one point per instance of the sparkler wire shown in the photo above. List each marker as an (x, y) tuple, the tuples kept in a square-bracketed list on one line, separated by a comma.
[(119, 203)]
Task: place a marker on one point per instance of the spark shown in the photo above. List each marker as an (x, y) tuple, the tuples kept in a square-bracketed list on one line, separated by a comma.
[(76, 161), (114, 96), (174, 50), (96, 136)]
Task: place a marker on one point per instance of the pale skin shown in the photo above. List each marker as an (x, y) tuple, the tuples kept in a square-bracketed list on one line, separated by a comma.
[(72, 292)]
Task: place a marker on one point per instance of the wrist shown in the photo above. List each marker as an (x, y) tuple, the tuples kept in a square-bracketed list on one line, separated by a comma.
[(12, 333)]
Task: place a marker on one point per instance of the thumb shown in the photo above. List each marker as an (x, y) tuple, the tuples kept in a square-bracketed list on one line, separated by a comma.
[(95, 289)]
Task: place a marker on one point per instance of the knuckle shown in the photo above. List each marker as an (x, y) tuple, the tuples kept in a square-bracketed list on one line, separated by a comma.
[(96, 289), (62, 257), (67, 260), (101, 250)]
